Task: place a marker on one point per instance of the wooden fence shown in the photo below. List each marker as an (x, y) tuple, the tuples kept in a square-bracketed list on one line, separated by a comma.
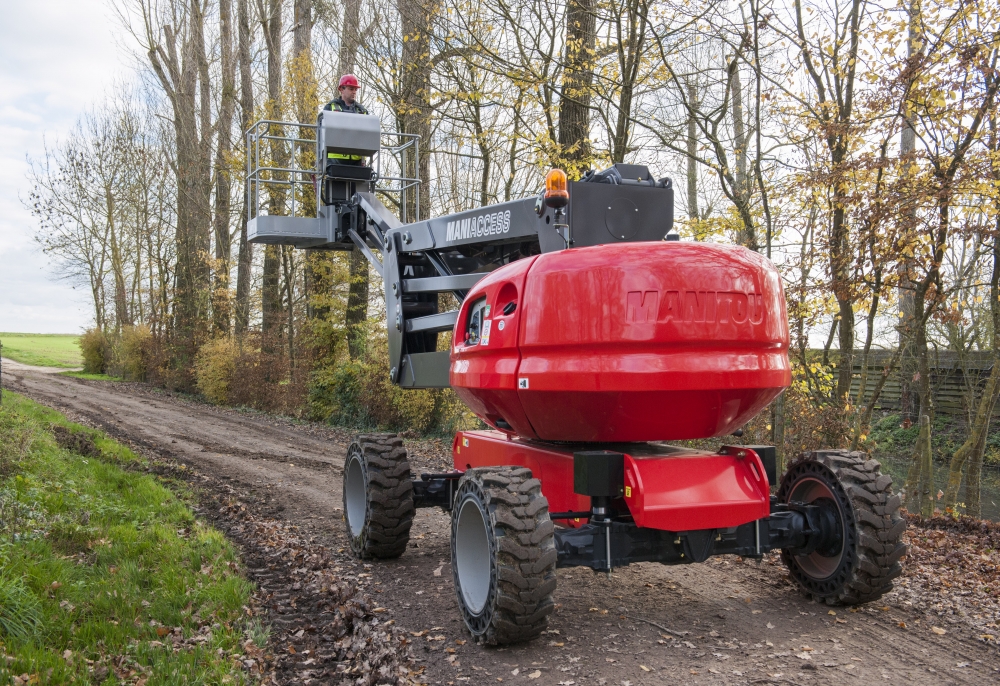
[(954, 376)]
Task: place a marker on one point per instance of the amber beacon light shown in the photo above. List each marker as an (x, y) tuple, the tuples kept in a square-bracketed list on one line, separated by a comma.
[(556, 194)]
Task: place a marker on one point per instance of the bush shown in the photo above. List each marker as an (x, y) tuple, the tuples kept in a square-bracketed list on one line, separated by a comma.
[(130, 352), (95, 348), (214, 367), (359, 394)]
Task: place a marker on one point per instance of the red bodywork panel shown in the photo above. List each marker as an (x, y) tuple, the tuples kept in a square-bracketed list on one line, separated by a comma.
[(666, 488), (627, 342)]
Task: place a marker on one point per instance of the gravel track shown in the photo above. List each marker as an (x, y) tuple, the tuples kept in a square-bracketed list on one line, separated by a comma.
[(725, 621)]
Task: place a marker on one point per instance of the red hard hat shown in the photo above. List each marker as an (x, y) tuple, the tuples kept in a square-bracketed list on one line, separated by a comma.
[(348, 80)]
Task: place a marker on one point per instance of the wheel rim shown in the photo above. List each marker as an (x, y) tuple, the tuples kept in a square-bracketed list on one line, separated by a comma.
[(355, 497), (472, 556), (817, 565)]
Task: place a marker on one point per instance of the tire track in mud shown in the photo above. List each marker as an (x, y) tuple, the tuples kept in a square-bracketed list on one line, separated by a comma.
[(739, 622)]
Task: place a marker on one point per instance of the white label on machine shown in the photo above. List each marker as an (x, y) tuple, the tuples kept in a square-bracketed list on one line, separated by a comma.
[(487, 326), (522, 382)]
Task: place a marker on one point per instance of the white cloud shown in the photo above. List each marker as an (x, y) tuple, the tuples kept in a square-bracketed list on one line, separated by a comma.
[(57, 58)]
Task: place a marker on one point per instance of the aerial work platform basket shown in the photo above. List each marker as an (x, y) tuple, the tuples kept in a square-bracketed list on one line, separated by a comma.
[(294, 187)]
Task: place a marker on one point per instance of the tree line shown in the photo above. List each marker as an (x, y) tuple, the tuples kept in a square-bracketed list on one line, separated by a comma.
[(853, 142)]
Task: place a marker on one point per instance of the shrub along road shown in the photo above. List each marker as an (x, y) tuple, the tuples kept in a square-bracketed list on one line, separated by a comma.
[(725, 621)]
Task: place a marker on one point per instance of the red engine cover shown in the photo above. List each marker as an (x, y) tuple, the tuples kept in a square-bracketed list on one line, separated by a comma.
[(627, 342)]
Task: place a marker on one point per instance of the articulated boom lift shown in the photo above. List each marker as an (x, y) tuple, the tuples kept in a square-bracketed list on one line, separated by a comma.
[(586, 335)]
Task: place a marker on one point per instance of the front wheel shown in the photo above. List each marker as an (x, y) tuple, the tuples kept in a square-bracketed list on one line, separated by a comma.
[(860, 566), (378, 496), (503, 555)]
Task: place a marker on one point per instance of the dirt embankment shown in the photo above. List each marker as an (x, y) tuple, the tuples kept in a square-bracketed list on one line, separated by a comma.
[(725, 621)]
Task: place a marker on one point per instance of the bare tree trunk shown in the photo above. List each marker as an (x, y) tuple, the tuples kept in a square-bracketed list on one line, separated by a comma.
[(926, 494), (271, 296), (578, 78), (741, 188), (356, 313), (630, 42), (974, 480), (305, 109), (245, 259), (417, 18), (907, 144), (221, 310), (692, 151)]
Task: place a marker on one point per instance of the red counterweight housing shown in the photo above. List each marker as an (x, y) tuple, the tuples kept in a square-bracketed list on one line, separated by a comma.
[(620, 343)]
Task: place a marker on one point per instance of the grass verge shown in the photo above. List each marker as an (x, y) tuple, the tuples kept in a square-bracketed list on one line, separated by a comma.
[(42, 350), (105, 574)]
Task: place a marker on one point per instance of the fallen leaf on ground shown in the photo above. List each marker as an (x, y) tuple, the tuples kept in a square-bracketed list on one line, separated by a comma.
[(534, 675), (938, 630)]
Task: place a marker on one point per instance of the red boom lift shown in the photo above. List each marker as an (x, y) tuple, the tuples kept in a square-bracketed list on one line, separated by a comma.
[(587, 334)]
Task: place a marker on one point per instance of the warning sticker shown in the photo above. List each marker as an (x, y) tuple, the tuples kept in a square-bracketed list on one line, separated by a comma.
[(522, 382), (487, 327)]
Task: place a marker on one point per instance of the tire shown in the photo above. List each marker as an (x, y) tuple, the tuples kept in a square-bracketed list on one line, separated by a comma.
[(503, 555), (378, 496), (868, 558)]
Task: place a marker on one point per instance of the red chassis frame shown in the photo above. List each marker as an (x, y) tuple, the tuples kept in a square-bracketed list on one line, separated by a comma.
[(666, 487)]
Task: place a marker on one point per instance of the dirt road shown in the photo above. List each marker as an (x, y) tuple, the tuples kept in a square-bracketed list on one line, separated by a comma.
[(729, 621)]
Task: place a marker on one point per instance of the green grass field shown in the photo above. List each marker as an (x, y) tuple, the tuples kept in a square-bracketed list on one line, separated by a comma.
[(106, 576), (42, 350)]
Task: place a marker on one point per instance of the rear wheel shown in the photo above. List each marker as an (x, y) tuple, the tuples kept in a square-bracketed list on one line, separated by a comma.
[(378, 496), (503, 555), (860, 566)]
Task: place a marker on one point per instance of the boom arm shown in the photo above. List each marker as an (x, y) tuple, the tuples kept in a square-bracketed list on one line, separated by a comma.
[(417, 261)]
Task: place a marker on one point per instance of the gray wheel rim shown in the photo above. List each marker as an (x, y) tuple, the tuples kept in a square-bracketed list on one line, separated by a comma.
[(355, 495), (814, 564), (472, 556)]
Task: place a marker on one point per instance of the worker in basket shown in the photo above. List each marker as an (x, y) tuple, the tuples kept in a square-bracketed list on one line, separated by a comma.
[(346, 102)]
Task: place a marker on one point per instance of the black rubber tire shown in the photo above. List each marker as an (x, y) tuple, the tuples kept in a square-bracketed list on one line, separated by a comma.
[(521, 550), (872, 528), (382, 528)]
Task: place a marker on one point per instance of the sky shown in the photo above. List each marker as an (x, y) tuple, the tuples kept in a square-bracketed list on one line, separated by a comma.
[(57, 59)]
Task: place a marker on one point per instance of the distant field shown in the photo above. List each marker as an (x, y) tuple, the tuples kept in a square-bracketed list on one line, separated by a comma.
[(42, 350)]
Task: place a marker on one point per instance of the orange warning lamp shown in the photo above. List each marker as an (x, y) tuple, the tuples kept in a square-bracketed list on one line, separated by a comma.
[(556, 195)]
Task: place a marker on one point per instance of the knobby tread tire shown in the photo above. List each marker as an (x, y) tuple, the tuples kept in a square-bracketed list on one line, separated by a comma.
[(389, 505), (522, 550), (873, 527)]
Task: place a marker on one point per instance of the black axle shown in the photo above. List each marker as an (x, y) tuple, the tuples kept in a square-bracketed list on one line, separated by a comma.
[(801, 529)]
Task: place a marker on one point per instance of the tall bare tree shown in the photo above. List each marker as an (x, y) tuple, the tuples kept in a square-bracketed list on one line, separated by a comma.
[(577, 86), (245, 254), (221, 309), (357, 293), (270, 16)]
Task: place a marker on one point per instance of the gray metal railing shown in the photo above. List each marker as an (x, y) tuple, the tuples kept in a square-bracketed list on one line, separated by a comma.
[(399, 152)]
